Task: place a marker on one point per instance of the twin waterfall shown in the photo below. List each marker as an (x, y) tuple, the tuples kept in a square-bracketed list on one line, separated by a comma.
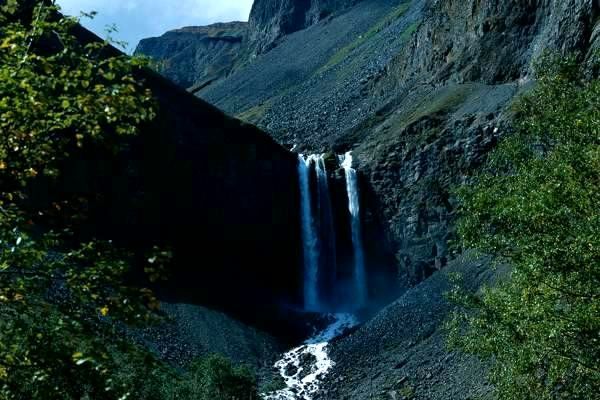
[(328, 285), (335, 281)]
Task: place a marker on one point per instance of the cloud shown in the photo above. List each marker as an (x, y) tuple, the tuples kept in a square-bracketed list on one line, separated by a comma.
[(137, 19)]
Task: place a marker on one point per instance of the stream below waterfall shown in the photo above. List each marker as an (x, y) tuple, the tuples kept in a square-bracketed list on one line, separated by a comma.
[(304, 367), (330, 282)]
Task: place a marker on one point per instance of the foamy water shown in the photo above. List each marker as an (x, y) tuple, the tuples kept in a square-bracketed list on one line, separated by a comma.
[(303, 379)]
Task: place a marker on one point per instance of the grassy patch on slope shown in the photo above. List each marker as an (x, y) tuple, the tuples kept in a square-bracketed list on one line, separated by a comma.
[(254, 114), (341, 54)]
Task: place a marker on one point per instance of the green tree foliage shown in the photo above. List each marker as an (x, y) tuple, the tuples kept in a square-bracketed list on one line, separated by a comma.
[(212, 377), (65, 310), (59, 304), (536, 206)]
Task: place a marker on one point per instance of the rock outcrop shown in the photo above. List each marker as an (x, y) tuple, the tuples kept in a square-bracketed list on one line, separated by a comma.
[(271, 20), (195, 57), (198, 56), (450, 91)]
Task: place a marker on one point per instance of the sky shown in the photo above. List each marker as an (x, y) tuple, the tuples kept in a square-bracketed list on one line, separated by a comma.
[(138, 19)]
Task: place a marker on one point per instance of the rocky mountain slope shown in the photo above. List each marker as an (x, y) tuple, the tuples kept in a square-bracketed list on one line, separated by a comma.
[(402, 354), (198, 56), (420, 90), (270, 21), (188, 333)]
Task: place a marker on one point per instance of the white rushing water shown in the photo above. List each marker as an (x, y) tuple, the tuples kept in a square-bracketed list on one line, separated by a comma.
[(309, 236), (360, 278), (326, 229), (304, 367)]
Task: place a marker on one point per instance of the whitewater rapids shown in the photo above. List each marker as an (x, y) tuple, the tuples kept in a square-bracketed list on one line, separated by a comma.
[(304, 368)]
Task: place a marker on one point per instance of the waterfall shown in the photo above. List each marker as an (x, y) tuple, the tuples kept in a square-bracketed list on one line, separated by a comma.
[(360, 281), (305, 367), (309, 237), (327, 248), (324, 289)]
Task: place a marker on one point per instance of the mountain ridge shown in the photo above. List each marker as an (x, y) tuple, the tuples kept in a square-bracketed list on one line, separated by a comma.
[(196, 56)]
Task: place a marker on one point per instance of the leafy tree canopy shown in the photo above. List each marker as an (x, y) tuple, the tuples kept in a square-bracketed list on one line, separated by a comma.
[(536, 206), (65, 309), (56, 96)]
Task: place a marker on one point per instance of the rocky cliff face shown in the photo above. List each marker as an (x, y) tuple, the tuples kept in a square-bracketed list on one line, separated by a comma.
[(194, 57), (420, 90), (457, 76), (271, 20)]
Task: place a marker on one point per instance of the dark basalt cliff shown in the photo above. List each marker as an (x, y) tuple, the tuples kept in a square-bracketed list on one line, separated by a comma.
[(420, 90), (194, 57), (220, 193), (448, 95)]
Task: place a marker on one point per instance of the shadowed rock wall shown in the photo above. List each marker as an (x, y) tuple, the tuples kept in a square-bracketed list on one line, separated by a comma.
[(221, 193)]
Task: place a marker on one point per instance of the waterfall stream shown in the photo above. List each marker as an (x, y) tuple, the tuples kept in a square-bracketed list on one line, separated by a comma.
[(326, 226), (360, 278), (304, 368), (309, 237), (324, 288)]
